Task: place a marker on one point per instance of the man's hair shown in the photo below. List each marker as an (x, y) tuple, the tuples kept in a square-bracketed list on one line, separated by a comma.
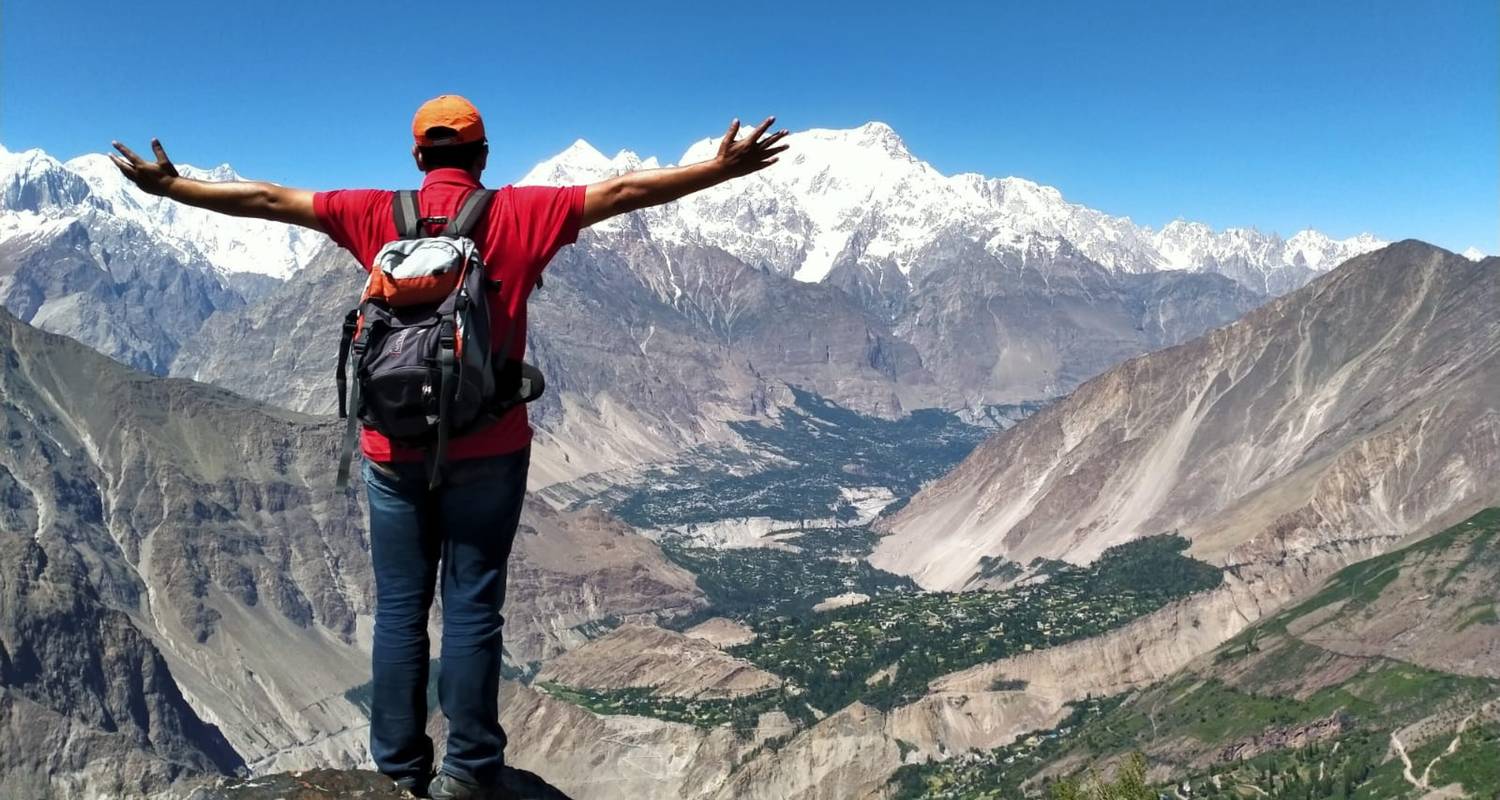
[(464, 156)]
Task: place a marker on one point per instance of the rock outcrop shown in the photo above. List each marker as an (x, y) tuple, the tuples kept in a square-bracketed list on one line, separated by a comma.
[(668, 663), (591, 756), (572, 569)]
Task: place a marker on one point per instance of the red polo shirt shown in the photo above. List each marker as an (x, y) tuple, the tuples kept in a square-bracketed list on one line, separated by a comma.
[(525, 227)]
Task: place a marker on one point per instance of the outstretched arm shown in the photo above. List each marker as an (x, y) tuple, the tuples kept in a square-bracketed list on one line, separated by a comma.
[(238, 198), (637, 190)]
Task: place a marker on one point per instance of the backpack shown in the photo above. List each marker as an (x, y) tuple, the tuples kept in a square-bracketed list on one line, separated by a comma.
[(419, 341)]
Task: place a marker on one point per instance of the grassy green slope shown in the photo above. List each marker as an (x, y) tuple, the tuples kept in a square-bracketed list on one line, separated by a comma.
[(1299, 706)]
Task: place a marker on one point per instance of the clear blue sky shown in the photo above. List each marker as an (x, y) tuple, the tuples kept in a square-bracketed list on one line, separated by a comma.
[(1345, 116)]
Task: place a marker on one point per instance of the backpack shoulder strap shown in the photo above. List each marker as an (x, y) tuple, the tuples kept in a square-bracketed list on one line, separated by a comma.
[(408, 214), (470, 212)]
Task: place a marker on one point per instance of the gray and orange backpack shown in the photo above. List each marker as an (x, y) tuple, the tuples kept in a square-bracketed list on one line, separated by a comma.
[(419, 341)]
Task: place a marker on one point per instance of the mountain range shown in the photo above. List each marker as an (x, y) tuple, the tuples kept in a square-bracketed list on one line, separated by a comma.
[(852, 209), (854, 270), (858, 199)]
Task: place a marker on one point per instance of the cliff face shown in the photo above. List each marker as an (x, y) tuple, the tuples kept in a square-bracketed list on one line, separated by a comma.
[(593, 756), (88, 707), (1361, 407)]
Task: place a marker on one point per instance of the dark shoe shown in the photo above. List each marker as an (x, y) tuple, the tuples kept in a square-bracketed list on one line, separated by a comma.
[(416, 785), (447, 787)]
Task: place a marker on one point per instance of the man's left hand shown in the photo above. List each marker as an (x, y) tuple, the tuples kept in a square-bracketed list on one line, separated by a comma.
[(738, 157)]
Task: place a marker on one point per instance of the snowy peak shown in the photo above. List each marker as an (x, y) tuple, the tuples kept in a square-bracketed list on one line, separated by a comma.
[(35, 187), (871, 137), (582, 163), (109, 187), (1474, 254), (581, 155), (871, 142), (1193, 245), (33, 181), (223, 172), (880, 135), (1317, 251), (860, 193)]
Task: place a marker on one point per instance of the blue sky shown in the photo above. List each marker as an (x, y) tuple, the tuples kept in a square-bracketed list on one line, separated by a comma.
[(1344, 116)]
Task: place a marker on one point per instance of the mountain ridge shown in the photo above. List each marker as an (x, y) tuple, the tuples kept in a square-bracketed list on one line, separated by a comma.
[(807, 212), (1111, 461)]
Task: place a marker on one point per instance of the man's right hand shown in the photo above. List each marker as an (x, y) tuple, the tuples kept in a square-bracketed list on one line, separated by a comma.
[(750, 154), (636, 190), (151, 178)]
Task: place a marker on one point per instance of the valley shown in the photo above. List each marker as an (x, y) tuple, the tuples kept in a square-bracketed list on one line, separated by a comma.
[(886, 651), (874, 647)]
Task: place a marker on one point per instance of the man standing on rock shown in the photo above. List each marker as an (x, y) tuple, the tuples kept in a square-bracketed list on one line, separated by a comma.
[(463, 528)]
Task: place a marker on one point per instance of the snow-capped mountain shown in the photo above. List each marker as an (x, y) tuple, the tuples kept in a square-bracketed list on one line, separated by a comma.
[(582, 163), (856, 195), (861, 195), (37, 190), (1474, 254), (921, 259), (85, 255)]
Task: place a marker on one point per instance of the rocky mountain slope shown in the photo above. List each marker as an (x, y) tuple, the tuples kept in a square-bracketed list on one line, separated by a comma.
[(1393, 654), (111, 285), (651, 348), (1284, 709), (187, 593), (1349, 414)]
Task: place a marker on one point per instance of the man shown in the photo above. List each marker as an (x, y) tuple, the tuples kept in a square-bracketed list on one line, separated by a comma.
[(462, 530)]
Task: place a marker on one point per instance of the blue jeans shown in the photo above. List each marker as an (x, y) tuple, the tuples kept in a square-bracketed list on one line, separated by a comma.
[(466, 527)]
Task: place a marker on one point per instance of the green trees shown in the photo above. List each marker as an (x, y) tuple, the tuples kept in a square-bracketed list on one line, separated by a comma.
[(926, 634)]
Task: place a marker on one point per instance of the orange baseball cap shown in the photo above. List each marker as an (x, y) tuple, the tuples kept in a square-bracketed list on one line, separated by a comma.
[(447, 111)]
